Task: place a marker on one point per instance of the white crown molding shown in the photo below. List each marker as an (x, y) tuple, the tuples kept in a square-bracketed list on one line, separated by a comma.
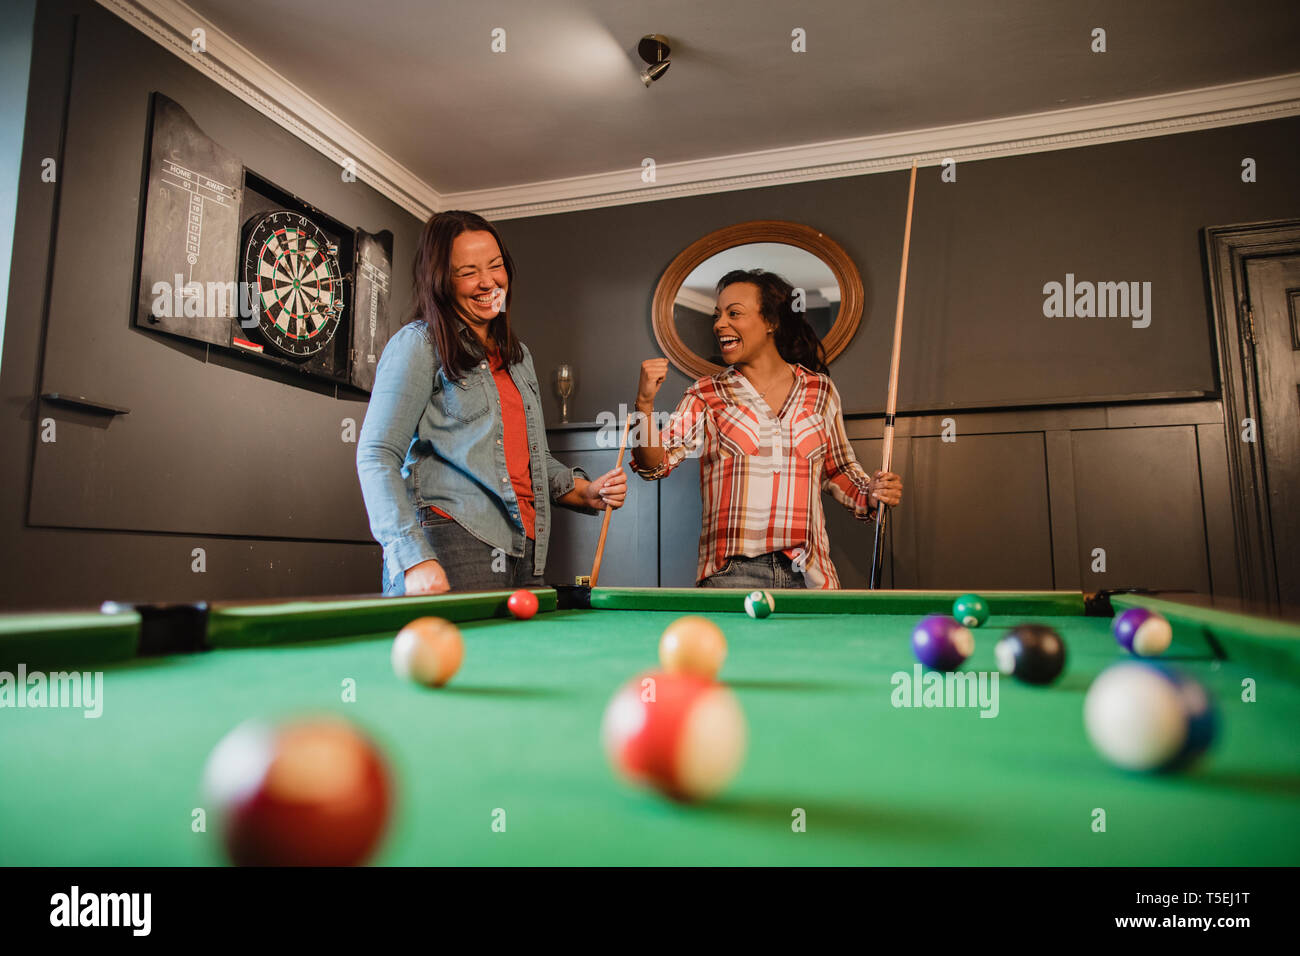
[(1248, 102), (232, 66), (226, 61), (696, 300)]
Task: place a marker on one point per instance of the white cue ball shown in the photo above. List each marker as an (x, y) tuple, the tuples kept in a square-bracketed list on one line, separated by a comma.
[(1135, 717)]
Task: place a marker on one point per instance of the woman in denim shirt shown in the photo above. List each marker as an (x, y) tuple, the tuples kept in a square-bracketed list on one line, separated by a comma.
[(454, 468)]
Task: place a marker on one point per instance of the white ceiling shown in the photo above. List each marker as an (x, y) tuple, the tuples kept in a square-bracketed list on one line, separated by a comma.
[(419, 80), (800, 268)]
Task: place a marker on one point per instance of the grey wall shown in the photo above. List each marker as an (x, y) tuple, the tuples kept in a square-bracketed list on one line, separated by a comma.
[(218, 452), (982, 249)]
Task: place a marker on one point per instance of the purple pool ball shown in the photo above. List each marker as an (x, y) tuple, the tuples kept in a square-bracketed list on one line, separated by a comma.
[(1142, 632), (940, 642)]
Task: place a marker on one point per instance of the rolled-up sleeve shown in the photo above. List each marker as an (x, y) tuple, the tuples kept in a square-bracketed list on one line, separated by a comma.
[(844, 478), (403, 383), (682, 437), (561, 477)]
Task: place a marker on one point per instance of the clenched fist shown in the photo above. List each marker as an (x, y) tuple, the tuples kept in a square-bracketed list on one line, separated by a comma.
[(653, 373)]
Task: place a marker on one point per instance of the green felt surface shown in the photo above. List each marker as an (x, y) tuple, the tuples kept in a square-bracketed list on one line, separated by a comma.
[(518, 730)]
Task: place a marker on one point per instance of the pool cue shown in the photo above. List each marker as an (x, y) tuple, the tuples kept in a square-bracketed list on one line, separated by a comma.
[(604, 525), (891, 403)]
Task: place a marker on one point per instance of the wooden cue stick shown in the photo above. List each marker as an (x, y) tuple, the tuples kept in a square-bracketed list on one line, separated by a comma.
[(604, 524), (891, 402)]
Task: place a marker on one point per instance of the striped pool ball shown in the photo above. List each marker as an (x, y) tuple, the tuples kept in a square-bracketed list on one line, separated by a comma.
[(428, 651), (759, 604), (1147, 717), (683, 735), (311, 792), (1143, 633), (971, 610), (942, 643)]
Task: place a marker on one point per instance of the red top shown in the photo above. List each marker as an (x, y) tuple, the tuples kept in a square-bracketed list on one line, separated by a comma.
[(515, 426)]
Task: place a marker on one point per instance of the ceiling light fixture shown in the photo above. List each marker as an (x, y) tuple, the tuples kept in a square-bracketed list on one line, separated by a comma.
[(654, 49)]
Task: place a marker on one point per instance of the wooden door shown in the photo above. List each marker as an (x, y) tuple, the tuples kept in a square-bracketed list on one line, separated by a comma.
[(1273, 316)]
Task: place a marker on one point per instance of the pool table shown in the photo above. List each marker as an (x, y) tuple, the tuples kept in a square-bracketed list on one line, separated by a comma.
[(518, 730)]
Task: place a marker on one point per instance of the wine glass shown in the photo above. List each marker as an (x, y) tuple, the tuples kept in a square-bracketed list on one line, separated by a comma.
[(564, 386)]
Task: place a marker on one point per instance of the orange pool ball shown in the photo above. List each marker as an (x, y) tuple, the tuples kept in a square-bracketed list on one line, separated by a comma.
[(428, 651), (308, 793), (693, 645)]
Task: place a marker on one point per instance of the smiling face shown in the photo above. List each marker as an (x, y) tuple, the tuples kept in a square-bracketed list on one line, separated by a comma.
[(738, 324), (479, 279)]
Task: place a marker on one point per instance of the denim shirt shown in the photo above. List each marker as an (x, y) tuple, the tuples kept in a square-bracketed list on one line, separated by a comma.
[(430, 441)]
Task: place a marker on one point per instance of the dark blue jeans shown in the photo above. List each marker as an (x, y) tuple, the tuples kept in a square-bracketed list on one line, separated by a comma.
[(471, 564), (771, 570)]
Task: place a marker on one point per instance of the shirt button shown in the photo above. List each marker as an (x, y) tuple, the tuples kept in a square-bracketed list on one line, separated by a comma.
[(482, 364)]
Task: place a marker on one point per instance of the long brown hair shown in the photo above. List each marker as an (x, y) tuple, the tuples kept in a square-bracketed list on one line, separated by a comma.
[(435, 298), (796, 341)]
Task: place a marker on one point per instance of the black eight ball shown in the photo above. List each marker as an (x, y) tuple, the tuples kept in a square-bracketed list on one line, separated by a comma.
[(1032, 653)]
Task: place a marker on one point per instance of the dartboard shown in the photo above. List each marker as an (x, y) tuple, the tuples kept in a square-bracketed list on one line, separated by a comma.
[(293, 268)]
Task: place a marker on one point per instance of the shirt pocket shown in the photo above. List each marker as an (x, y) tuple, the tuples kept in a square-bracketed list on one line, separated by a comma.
[(464, 400), (737, 432), (808, 435)]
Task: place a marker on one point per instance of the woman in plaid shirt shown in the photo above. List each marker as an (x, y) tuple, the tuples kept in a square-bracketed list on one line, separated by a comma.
[(769, 433)]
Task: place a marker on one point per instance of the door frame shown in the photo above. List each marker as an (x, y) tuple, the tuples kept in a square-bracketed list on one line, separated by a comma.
[(1226, 250)]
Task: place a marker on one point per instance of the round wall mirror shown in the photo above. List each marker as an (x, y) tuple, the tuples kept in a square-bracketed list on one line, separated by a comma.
[(810, 261)]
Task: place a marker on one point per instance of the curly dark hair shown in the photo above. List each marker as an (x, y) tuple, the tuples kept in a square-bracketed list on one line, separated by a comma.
[(796, 341), (435, 298)]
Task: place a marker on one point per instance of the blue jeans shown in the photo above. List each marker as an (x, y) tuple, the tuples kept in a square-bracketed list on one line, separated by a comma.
[(471, 564), (771, 570)]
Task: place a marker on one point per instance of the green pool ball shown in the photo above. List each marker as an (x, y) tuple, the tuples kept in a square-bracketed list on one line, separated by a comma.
[(759, 604), (971, 609)]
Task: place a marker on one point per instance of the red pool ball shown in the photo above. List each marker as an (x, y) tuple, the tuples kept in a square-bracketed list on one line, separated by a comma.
[(309, 793), (681, 734), (522, 604)]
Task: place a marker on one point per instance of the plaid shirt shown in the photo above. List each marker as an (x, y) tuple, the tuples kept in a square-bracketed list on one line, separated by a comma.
[(762, 475)]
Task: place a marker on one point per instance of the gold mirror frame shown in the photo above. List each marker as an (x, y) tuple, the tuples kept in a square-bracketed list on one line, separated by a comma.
[(764, 230)]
